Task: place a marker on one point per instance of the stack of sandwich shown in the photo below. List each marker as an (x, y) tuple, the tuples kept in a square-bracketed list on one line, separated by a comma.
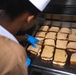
[(56, 16), (47, 23), (73, 59), (63, 39), (49, 45), (61, 44), (35, 51), (40, 36), (49, 42), (62, 36), (72, 38), (44, 28), (72, 41), (56, 23), (47, 53), (40, 40), (71, 46), (65, 30), (51, 35), (73, 31), (65, 24), (60, 57), (54, 29)]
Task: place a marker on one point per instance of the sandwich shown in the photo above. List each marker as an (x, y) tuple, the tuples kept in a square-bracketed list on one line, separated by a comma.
[(71, 50), (51, 35), (61, 44), (62, 36), (60, 57), (65, 18), (35, 51), (55, 23), (71, 45), (40, 40), (73, 59), (65, 24), (54, 29), (48, 16), (72, 37), (73, 31), (41, 34), (47, 53), (47, 23), (56, 16), (65, 30), (44, 28), (49, 42)]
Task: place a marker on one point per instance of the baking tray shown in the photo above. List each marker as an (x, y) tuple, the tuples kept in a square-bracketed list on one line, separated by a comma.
[(37, 62)]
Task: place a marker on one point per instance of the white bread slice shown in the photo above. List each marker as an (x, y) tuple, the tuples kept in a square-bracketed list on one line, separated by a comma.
[(47, 53), (49, 42), (46, 23), (61, 44), (34, 50), (57, 17), (56, 23), (60, 57), (40, 34), (72, 37), (65, 30), (73, 59), (51, 35), (73, 31), (40, 40), (71, 50), (62, 36), (44, 28), (71, 45), (54, 29)]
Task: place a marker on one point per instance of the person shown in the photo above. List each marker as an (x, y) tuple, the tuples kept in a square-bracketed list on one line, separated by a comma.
[(17, 15)]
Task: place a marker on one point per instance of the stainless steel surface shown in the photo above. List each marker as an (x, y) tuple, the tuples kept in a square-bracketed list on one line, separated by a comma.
[(61, 7), (63, 2)]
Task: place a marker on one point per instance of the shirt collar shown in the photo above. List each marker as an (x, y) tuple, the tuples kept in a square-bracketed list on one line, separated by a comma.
[(7, 34)]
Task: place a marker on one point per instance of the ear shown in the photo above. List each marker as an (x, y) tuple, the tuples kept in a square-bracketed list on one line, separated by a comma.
[(30, 18)]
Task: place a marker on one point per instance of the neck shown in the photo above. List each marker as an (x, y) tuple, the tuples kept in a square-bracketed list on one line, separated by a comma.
[(12, 26)]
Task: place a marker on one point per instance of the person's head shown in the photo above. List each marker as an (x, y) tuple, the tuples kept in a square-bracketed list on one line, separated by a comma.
[(18, 8), (15, 8)]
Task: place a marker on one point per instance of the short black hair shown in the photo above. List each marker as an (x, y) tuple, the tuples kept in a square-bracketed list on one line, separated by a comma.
[(14, 8)]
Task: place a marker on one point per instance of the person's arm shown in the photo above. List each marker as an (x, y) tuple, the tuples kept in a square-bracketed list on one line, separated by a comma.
[(32, 40), (21, 37), (15, 61)]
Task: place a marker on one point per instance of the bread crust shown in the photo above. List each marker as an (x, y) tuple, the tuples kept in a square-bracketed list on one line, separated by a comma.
[(44, 28), (34, 50), (41, 34), (73, 59), (71, 45), (54, 29), (49, 42), (72, 50), (72, 63), (65, 30)]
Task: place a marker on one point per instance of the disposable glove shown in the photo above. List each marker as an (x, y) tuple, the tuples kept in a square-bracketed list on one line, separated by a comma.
[(32, 40), (28, 62)]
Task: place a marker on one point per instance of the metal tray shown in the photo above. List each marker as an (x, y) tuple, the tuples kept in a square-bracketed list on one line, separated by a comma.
[(37, 62)]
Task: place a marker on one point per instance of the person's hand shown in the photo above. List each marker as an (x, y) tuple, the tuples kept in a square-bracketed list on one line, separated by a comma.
[(28, 62), (32, 40)]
